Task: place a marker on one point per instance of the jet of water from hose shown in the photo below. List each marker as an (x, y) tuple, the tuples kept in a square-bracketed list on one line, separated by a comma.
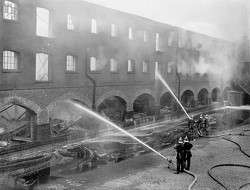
[(117, 127), (166, 85)]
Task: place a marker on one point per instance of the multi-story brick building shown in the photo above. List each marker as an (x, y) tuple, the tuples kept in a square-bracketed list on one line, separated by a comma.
[(57, 50)]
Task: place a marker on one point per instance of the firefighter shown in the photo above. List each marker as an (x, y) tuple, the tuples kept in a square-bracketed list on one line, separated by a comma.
[(179, 157), (205, 124), (191, 126), (187, 153), (199, 124)]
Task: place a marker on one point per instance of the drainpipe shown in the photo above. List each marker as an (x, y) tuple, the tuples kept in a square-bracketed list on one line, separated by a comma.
[(87, 75)]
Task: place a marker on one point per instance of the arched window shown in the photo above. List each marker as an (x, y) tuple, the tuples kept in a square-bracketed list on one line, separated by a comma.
[(42, 22), (10, 10)]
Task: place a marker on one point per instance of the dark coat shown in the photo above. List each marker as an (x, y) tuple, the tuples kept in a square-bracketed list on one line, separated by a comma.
[(187, 147), (180, 151), (191, 124)]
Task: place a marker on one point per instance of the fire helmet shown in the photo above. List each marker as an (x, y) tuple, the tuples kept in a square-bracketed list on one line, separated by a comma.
[(186, 139), (180, 140)]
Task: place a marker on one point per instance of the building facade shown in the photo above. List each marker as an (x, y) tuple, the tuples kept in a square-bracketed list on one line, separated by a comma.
[(53, 51)]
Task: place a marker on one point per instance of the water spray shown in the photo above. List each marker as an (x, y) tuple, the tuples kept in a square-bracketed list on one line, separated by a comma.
[(166, 85), (117, 127)]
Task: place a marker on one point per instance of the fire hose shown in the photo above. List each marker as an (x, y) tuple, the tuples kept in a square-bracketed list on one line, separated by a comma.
[(237, 165)]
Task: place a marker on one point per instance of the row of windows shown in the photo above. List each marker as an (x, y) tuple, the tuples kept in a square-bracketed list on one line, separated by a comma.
[(10, 12), (11, 63)]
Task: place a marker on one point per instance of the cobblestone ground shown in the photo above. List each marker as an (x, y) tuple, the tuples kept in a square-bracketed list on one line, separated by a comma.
[(149, 171)]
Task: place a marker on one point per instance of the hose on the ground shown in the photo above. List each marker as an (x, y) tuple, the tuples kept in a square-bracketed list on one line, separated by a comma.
[(238, 165)]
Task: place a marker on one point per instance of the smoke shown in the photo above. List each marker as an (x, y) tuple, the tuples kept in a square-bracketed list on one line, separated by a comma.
[(218, 64)]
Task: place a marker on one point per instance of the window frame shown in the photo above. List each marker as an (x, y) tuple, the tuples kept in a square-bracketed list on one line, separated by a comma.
[(94, 26), (145, 36), (15, 11), (75, 60), (113, 30), (48, 68), (97, 66), (130, 33), (71, 22), (171, 39), (115, 61), (15, 63), (132, 63), (157, 41), (143, 64), (47, 22)]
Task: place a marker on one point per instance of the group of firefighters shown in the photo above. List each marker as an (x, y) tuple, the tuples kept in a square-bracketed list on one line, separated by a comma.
[(183, 147), (184, 154), (199, 126)]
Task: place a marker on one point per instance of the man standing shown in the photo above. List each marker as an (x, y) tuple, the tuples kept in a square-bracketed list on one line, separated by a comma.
[(199, 125), (179, 157), (191, 125), (187, 153)]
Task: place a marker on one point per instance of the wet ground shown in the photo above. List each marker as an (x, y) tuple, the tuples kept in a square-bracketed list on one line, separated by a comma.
[(115, 161)]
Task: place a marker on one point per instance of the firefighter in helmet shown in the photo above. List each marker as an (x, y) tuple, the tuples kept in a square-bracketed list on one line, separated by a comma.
[(180, 155), (187, 153)]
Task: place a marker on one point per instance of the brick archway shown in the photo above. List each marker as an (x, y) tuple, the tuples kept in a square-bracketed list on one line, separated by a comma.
[(23, 102), (69, 96), (110, 94)]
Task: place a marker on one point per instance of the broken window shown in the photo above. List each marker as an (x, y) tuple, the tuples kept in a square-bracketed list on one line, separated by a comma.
[(42, 22), (94, 26), (10, 10), (171, 39), (170, 67), (145, 65), (145, 36), (70, 22), (71, 63), (131, 66), (113, 30), (10, 60), (157, 42), (42, 65), (113, 65), (130, 33)]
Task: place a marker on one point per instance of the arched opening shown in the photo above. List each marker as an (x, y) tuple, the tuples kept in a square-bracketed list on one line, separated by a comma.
[(16, 124), (114, 108), (225, 92), (143, 105), (203, 97), (166, 100), (216, 95), (68, 119), (187, 99)]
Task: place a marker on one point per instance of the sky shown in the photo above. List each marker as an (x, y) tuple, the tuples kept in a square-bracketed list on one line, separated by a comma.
[(226, 19)]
